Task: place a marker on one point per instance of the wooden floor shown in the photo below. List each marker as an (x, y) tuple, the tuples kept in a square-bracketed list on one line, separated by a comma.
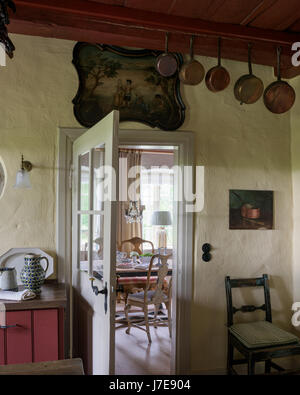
[(134, 356)]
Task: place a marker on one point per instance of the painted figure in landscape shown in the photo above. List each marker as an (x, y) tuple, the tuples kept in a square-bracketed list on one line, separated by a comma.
[(128, 90), (119, 95), (112, 78)]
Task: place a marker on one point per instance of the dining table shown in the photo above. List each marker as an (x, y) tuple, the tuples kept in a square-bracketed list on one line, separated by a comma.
[(133, 271)]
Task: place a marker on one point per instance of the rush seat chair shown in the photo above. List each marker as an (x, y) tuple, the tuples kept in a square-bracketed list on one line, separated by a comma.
[(259, 340)]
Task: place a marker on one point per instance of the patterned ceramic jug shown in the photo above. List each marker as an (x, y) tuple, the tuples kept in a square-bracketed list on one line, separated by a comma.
[(32, 274)]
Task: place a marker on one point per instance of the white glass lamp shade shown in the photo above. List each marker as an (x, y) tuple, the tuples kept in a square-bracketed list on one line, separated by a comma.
[(161, 218), (22, 179)]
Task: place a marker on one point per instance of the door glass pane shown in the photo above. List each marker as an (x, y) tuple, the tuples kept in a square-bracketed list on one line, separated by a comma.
[(98, 242), (98, 175), (84, 169), (83, 248)]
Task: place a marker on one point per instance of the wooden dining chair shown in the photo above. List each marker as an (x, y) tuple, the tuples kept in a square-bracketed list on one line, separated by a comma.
[(137, 242), (127, 284), (151, 297), (259, 340)]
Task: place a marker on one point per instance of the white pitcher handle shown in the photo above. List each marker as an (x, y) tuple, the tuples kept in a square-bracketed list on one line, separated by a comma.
[(43, 257)]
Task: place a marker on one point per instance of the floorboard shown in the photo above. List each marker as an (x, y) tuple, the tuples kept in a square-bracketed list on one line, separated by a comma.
[(134, 356)]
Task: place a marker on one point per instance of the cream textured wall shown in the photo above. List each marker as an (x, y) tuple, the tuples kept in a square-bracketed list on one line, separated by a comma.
[(37, 88), (242, 147), (295, 145)]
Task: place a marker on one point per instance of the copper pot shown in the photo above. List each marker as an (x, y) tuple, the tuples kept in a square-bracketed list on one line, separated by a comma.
[(166, 63), (279, 96), (217, 79), (249, 88), (253, 213), (192, 72)]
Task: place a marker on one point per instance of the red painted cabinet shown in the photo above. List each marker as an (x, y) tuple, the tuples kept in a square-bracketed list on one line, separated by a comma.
[(32, 336), (2, 347), (18, 342)]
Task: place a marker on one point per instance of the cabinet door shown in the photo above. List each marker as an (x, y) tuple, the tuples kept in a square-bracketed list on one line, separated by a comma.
[(45, 335), (18, 339), (2, 349)]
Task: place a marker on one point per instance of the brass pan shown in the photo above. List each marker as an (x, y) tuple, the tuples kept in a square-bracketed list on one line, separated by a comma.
[(249, 88), (192, 72)]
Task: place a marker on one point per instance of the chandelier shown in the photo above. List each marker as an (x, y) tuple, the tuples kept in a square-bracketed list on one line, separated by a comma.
[(134, 213)]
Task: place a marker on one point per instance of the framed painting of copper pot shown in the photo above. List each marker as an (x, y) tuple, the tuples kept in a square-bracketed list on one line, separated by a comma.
[(251, 209), (116, 78)]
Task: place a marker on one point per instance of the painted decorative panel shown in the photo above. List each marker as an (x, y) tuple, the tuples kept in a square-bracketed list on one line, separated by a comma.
[(114, 78)]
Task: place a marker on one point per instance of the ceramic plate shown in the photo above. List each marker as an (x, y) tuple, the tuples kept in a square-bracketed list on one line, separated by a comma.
[(15, 258)]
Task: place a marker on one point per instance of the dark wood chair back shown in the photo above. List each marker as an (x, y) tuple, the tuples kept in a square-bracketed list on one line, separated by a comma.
[(251, 282)]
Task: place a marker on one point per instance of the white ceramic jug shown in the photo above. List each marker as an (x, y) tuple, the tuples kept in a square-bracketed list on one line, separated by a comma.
[(8, 277)]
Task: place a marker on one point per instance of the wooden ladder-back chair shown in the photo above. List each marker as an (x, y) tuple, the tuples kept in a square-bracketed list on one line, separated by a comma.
[(149, 297), (260, 340)]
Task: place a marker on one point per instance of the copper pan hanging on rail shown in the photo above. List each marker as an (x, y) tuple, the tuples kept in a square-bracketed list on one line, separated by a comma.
[(217, 79), (166, 63), (249, 88), (192, 72), (279, 96)]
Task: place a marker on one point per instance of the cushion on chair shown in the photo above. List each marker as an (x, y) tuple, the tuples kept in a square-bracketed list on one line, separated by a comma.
[(262, 334), (135, 280), (139, 296)]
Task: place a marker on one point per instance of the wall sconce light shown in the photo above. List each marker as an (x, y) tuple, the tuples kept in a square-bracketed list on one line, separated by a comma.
[(22, 178)]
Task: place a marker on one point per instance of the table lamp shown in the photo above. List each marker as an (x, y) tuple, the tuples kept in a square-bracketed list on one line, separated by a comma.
[(161, 219)]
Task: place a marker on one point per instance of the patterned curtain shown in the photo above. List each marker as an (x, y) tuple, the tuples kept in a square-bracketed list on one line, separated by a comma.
[(127, 158)]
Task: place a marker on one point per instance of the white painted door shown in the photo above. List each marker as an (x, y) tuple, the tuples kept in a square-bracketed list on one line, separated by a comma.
[(95, 189)]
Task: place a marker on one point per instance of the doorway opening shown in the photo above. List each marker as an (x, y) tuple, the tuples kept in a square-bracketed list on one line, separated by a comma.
[(85, 342), (138, 239)]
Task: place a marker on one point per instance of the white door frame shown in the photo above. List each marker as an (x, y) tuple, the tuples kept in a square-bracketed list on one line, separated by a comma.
[(180, 358)]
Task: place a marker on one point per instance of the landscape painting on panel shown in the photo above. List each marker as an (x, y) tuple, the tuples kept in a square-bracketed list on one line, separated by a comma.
[(114, 78), (250, 209)]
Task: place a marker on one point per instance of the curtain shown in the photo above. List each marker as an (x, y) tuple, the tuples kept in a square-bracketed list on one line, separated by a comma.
[(127, 231)]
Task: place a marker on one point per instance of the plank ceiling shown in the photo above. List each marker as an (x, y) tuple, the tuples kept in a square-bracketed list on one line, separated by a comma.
[(265, 14), (266, 23)]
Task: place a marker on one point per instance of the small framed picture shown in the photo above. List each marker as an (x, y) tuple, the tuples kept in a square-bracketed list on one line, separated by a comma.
[(250, 209)]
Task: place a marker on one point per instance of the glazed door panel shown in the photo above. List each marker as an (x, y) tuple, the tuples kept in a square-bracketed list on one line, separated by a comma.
[(95, 191), (18, 339), (45, 335)]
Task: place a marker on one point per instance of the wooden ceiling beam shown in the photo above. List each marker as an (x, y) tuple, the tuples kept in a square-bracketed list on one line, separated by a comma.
[(88, 21)]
